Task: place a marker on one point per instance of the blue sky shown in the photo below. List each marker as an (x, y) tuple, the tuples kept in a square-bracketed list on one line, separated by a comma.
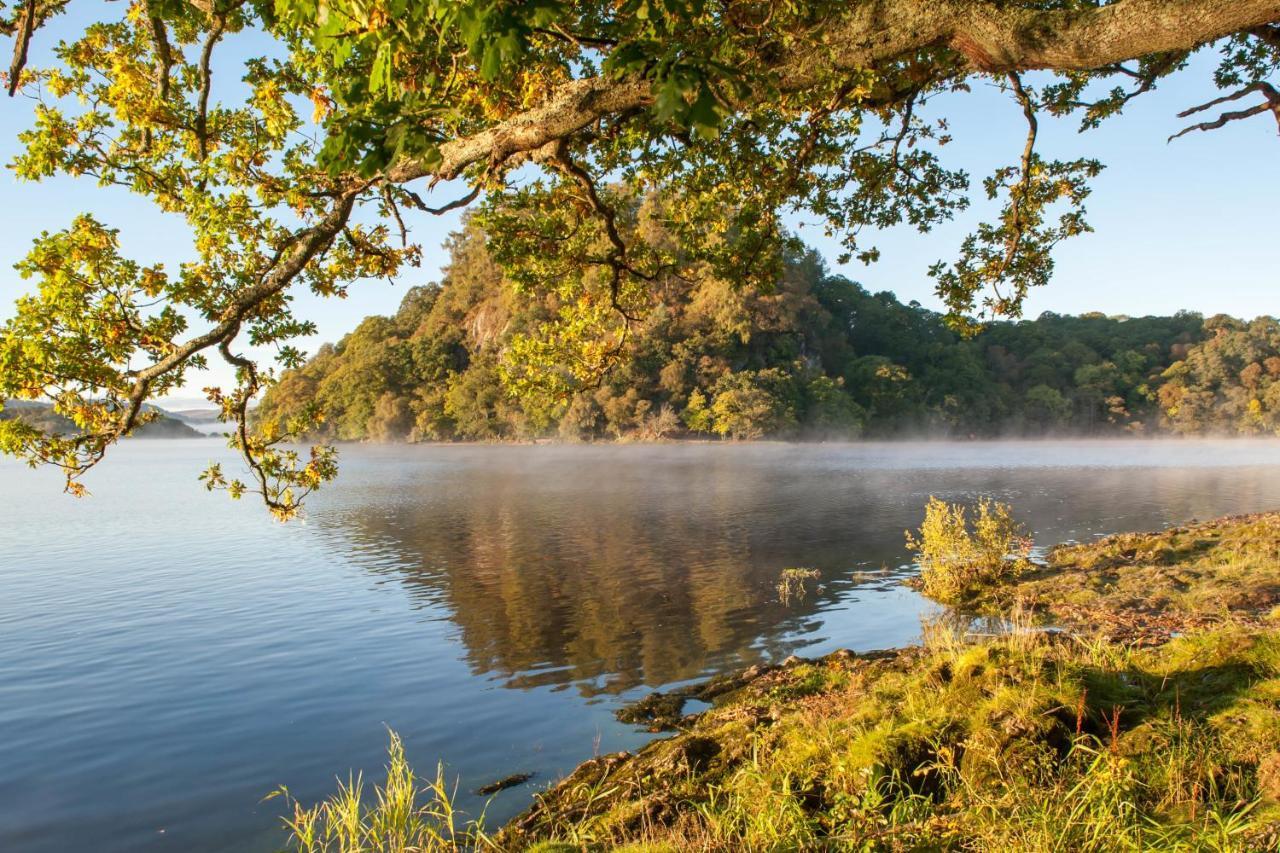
[(1185, 225)]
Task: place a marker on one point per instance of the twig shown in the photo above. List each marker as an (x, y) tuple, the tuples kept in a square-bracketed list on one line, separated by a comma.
[(617, 257), (445, 208)]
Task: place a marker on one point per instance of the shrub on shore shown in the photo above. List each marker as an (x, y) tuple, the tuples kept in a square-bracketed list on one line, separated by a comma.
[(959, 558)]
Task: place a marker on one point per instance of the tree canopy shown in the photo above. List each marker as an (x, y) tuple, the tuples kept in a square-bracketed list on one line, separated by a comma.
[(711, 120)]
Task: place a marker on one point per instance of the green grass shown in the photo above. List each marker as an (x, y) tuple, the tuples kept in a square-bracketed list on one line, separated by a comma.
[(1152, 585), (1025, 742)]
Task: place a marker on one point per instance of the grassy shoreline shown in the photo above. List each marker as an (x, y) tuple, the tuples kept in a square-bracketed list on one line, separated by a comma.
[(1150, 720), (1148, 587), (1131, 701)]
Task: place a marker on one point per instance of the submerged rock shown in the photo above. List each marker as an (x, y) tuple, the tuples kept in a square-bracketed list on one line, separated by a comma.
[(664, 711), (658, 711)]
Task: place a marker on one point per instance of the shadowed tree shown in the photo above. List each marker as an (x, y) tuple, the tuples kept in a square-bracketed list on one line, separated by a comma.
[(736, 111)]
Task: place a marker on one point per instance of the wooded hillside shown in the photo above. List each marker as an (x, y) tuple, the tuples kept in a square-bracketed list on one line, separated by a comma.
[(818, 357)]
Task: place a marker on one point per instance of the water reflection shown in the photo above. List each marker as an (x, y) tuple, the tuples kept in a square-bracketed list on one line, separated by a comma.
[(608, 568), (606, 577)]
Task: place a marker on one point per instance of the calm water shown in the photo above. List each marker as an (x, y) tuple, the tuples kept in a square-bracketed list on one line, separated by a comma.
[(168, 657)]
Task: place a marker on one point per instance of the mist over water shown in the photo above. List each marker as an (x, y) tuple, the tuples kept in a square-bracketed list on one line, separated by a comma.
[(167, 657)]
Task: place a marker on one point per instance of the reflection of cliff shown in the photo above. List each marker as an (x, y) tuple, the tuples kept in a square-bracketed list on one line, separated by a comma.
[(605, 577), (648, 567)]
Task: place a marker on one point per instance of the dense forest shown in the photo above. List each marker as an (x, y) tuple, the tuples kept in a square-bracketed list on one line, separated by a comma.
[(818, 357)]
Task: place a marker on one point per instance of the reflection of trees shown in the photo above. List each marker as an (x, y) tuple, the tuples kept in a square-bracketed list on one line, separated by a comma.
[(639, 568), (603, 575), (607, 590)]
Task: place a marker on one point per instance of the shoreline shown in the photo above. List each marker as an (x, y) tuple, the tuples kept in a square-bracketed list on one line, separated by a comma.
[(1145, 666)]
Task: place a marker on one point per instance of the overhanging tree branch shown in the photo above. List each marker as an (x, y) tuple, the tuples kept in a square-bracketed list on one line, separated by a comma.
[(993, 37), (303, 246), (1018, 194), (424, 104)]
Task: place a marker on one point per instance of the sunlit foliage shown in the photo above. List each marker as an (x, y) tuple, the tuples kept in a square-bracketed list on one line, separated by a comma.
[(962, 550), (331, 118)]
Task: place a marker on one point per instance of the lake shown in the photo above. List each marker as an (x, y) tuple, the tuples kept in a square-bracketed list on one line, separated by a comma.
[(168, 657)]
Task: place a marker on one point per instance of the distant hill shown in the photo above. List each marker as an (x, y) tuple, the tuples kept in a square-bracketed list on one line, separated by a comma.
[(194, 416), (42, 416), (820, 356), (204, 421)]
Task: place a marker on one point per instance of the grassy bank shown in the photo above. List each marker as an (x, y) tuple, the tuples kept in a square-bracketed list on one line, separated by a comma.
[(1150, 722), (1146, 587), (1028, 742)]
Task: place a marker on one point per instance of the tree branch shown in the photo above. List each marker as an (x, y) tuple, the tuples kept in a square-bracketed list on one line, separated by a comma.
[(21, 42), (994, 37), (1019, 193), (444, 208), (303, 246), (163, 60), (1268, 91), (206, 83), (616, 260)]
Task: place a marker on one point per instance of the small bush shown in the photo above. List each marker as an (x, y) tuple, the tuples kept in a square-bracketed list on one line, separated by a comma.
[(658, 425), (958, 556)]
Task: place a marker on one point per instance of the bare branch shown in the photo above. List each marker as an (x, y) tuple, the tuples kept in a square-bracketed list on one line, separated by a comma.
[(575, 39), (164, 53), (206, 82), (444, 208), (164, 60), (1268, 91), (395, 213)]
